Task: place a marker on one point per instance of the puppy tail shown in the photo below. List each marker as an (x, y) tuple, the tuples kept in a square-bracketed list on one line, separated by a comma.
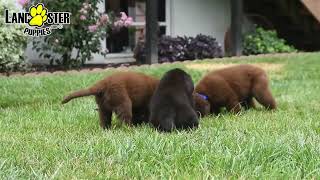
[(94, 90)]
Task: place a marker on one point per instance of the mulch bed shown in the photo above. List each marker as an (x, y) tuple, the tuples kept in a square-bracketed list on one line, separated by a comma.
[(48, 70)]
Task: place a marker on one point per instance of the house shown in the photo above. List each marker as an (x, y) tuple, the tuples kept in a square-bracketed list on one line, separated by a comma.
[(176, 18), (221, 19)]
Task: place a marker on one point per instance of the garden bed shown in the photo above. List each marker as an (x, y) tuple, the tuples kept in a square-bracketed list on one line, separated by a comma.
[(47, 70)]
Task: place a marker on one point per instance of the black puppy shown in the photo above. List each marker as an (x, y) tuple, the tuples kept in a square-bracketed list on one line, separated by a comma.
[(172, 104)]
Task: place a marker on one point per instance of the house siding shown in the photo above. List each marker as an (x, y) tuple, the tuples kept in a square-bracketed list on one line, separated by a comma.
[(209, 17)]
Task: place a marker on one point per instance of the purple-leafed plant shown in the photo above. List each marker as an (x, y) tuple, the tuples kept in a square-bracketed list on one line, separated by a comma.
[(203, 46), (179, 48)]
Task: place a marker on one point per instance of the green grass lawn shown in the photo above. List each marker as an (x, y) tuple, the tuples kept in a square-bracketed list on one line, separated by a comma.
[(41, 139)]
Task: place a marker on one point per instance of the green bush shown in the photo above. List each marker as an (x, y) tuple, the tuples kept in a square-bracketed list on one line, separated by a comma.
[(262, 41), (12, 42), (58, 46)]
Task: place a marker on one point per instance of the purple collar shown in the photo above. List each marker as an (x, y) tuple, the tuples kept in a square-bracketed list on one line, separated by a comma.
[(203, 96)]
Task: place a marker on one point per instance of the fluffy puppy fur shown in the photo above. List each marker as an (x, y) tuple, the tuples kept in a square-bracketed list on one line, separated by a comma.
[(172, 105), (201, 105), (236, 86), (127, 94)]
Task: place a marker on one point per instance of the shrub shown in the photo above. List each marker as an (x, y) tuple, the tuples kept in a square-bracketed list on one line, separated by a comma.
[(81, 36), (202, 47), (12, 42), (172, 49), (262, 41)]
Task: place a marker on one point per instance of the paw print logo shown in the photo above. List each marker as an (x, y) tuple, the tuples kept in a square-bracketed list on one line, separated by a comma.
[(38, 14)]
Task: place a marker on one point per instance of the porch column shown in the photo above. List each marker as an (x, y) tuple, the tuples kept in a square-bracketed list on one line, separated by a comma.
[(236, 27), (151, 31)]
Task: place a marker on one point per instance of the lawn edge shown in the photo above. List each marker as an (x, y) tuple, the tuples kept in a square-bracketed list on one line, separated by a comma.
[(96, 70)]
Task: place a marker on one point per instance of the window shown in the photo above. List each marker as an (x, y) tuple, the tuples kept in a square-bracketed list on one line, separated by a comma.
[(125, 40)]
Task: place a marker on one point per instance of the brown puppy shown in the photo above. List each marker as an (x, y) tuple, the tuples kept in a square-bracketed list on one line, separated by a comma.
[(236, 86), (201, 105), (125, 93)]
